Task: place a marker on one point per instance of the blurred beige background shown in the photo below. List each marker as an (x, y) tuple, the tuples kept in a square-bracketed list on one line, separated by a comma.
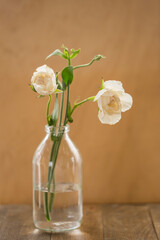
[(121, 163)]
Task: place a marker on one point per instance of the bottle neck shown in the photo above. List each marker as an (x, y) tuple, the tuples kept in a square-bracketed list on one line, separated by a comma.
[(57, 130)]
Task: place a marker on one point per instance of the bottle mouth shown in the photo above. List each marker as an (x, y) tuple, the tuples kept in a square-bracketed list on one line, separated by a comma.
[(56, 130)]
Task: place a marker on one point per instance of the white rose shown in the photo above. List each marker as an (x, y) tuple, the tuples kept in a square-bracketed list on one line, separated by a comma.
[(112, 100), (44, 80)]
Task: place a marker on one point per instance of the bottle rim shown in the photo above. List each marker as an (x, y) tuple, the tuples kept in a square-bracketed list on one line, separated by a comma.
[(55, 130)]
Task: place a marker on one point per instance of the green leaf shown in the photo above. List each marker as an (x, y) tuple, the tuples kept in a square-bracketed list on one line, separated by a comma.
[(55, 111), (58, 53), (74, 53), (67, 75)]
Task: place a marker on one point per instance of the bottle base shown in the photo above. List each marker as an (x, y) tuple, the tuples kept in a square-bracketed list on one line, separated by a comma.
[(57, 227)]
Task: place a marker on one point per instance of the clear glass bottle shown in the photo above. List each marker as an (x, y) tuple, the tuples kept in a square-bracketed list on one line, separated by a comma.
[(57, 200)]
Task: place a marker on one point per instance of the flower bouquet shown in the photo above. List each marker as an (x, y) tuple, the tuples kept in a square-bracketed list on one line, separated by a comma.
[(57, 164)]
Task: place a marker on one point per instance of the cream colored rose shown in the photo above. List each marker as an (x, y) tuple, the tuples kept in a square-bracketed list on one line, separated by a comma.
[(44, 80), (112, 100)]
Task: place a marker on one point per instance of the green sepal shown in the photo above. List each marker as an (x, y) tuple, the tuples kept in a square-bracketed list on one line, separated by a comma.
[(75, 102), (32, 87), (67, 75), (58, 91), (74, 53), (58, 53), (41, 96), (102, 84)]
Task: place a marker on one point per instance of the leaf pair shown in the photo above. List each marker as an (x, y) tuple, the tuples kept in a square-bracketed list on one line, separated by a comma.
[(64, 55), (74, 53), (58, 53)]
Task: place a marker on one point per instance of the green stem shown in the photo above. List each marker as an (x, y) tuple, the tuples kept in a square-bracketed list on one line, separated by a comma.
[(51, 158), (49, 101), (46, 206), (54, 154), (52, 176), (96, 58), (67, 105), (52, 196), (69, 61), (61, 112), (55, 148), (84, 65), (54, 163), (80, 103), (46, 210)]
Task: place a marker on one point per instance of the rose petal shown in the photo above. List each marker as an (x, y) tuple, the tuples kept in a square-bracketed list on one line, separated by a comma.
[(126, 101), (44, 80), (104, 99), (45, 68), (113, 85), (101, 92), (43, 91), (109, 118)]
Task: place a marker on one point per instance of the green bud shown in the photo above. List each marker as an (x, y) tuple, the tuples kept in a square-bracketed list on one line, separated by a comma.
[(98, 57)]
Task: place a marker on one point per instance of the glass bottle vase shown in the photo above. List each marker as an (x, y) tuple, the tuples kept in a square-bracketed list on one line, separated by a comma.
[(57, 182)]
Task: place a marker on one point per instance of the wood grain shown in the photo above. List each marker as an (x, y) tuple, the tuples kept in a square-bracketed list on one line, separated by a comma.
[(126, 222), (17, 224), (100, 222), (155, 217)]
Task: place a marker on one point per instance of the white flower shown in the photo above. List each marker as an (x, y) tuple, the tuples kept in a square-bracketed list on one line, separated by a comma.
[(44, 80), (112, 100)]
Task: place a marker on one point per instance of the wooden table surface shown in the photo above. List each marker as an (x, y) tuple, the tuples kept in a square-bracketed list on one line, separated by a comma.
[(107, 221)]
